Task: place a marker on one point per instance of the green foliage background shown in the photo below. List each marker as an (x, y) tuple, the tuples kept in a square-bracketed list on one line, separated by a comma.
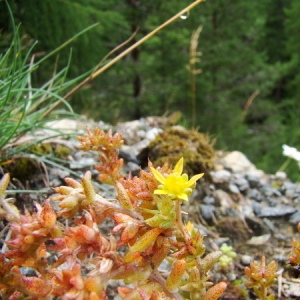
[(246, 46)]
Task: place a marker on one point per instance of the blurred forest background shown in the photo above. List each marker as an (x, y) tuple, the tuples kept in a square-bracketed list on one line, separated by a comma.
[(244, 88)]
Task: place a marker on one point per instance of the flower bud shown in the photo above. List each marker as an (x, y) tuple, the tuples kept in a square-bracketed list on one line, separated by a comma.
[(83, 233), (215, 292), (56, 231), (175, 276), (73, 183), (88, 188), (142, 244), (123, 197), (4, 182), (47, 216), (29, 239), (69, 202), (210, 259), (63, 190), (146, 240)]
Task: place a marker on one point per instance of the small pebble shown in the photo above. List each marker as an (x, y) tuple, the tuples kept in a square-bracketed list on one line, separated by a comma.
[(246, 259)]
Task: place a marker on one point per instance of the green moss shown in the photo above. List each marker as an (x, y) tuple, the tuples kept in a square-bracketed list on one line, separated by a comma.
[(61, 151), (23, 168), (57, 150), (175, 142), (40, 149), (28, 169)]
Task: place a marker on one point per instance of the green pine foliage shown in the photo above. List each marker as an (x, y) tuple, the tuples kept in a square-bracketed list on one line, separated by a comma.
[(292, 27), (247, 93)]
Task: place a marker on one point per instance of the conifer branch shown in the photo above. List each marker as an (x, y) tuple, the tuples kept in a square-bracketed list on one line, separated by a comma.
[(124, 53)]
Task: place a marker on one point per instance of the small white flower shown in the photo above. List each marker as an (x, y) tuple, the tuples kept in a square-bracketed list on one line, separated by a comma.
[(291, 152)]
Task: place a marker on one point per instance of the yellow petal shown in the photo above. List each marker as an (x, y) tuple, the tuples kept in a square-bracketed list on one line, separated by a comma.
[(179, 166), (189, 226), (158, 176), (161, 192), (194, 179), (183, 197)]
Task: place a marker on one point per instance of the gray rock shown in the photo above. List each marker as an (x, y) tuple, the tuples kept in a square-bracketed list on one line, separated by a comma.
[(152, 133), (259, 240), (269, 191), (82, 163), (131, 131), (241, 182), (231, 276), (246, 259), (207, 211), (223, 199), (56, 172), (247, 211), (212, 187), (296, 197), (28, 272), (270, 224), (281, 175), (295, 218), (208, 200), (137, 148), (132, 168), (126, 153), (220, 176), (255, 195), (237, 162), (290, 190), (254, 181), (257, 226), (233, 188), (271, 201), (278, 211), (276, 192), (287, 185), (256, 208)]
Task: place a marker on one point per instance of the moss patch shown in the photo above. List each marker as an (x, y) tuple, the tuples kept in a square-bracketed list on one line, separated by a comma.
[(175, 142), (57, 150)]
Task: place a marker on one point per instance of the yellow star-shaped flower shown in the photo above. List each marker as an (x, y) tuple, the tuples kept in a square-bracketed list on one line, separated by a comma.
[(176, 185)]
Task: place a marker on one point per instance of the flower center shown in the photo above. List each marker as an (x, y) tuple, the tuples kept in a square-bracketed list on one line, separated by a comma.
[(175, 184)]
